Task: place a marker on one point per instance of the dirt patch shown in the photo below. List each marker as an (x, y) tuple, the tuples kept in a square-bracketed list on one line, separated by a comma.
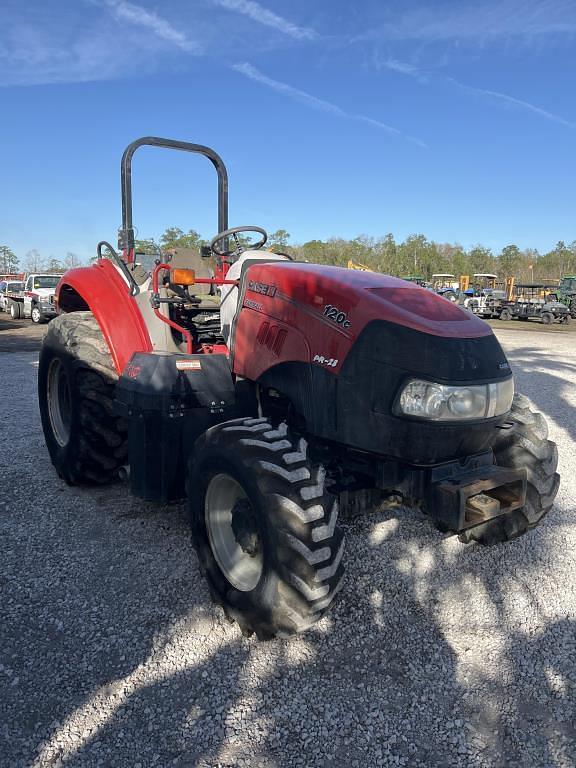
[(530, 326), (20, 335)]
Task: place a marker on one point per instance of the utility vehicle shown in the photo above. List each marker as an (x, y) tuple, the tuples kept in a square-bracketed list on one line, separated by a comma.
[(263, 390), (536, 301)]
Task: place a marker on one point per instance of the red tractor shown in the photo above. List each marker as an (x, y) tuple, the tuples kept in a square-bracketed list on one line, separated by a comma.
[(267, 388)]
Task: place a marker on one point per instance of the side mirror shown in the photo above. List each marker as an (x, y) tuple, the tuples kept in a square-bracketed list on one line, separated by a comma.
[(205, 251)]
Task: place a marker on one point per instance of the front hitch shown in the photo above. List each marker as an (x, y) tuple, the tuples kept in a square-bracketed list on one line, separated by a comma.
[(459, 499)]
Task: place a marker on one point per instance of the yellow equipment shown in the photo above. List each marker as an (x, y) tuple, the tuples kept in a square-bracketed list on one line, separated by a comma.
[(357, 265), (510, 288)]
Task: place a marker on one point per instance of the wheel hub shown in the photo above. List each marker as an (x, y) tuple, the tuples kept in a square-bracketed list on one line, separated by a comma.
[(232, 528), (245, 528)]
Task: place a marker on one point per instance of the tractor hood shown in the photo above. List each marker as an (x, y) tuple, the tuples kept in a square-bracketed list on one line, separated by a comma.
[(341, 344), (361, 297)]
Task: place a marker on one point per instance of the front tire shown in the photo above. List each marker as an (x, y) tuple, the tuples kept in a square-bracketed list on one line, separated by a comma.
[(547, 318), (526, 445), (36, 315), (264, 527), (87, 442)]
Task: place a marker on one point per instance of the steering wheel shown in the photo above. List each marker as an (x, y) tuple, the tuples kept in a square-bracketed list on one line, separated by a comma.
[(239, 248)]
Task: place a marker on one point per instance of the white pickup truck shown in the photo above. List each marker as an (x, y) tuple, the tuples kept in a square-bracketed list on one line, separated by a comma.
[(36, 301)]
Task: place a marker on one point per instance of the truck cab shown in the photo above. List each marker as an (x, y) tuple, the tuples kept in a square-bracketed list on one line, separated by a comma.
[(38, 295)]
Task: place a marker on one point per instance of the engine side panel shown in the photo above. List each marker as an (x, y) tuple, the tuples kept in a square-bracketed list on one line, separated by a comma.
[(101, 289)]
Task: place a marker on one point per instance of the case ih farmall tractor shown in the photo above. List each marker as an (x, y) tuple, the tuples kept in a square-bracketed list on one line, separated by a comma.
[(267, 389)]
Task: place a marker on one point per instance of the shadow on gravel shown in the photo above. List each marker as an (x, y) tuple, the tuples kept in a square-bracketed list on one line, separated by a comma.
[(547, 389), (418, 665)]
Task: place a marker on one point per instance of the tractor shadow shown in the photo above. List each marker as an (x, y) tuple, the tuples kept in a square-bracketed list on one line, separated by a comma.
[(437, 654)]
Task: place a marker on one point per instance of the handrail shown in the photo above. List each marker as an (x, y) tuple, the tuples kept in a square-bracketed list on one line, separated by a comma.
[(134, 287)]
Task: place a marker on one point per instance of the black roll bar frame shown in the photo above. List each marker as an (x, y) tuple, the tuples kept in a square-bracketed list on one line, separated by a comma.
[(126, 234)]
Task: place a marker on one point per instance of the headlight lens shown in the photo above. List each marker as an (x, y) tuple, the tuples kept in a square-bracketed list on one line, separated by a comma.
[(439, 402)]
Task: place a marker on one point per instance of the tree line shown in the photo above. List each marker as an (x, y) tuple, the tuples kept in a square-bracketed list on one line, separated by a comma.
[(33, 261), (416, 255)]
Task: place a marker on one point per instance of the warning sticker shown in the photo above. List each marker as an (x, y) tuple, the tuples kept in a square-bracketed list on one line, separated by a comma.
[(189, 365)]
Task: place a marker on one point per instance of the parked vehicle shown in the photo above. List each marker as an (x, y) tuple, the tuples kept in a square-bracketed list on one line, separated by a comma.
[(313, 382), (418, 280), (489, 304), (36, 300), (8, 287), (446, 285), (566, 293), (536, 301), (481, 286)]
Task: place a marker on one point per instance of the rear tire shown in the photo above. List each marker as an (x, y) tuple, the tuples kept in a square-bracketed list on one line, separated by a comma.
[(15, 310), (278, 573), (525, 446), (87, 442)]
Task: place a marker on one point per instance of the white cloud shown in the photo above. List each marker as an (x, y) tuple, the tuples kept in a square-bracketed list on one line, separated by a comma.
[(426, 78), (479, 21), (262, 15), (304, 98), (400, 66), (38, 48), (314, 102), (135, 14), (512, 101)]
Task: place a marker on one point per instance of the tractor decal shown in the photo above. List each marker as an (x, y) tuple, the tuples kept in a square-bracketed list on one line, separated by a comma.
[(333, 313)]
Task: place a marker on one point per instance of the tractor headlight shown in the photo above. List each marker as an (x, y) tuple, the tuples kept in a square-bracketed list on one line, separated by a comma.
[(439, 402)]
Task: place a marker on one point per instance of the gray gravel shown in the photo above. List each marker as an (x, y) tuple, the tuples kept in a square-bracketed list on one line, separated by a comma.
[(438, 654)]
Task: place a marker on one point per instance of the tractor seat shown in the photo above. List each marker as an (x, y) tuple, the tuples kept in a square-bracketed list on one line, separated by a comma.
[(206, 296)]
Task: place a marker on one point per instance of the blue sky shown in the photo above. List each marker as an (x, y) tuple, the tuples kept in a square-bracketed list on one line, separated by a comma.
[(452, 119)]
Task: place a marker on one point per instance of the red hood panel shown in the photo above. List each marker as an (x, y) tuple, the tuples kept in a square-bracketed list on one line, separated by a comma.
[(367, 296)]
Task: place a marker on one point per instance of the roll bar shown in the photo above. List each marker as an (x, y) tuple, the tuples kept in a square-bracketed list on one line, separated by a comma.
[(126, 234)]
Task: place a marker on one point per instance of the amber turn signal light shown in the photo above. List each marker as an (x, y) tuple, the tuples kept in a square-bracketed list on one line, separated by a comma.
[(182, 276)]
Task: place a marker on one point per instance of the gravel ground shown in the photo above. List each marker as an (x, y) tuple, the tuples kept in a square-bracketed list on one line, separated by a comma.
[(438, 654)]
